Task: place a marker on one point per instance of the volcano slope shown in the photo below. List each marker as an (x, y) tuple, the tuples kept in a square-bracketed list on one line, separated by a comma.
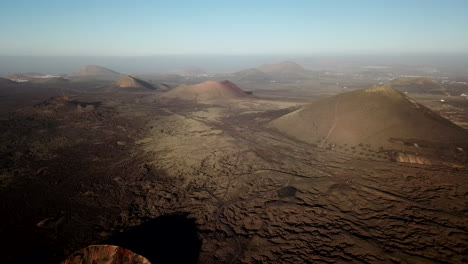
[(379, 118), (207, 91)]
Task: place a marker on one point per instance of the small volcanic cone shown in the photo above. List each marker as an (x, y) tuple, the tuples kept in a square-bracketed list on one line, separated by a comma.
[(132, 82), (94, 70), (210, 90)]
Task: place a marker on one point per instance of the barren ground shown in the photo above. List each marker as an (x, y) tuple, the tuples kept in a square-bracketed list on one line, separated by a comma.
[(255, 195)]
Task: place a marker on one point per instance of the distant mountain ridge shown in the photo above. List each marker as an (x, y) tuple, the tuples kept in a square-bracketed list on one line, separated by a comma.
[(94, 70), (282, 67), (415, 85), (285, 71)]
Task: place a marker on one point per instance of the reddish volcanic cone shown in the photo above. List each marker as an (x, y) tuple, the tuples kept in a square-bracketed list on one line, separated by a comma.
[(105, 254), (210, 90)]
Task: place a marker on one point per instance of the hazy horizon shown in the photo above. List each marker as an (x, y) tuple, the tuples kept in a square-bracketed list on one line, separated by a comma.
[(217, 63)]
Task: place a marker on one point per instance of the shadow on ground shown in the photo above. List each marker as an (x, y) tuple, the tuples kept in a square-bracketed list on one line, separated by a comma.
[(166, 239)]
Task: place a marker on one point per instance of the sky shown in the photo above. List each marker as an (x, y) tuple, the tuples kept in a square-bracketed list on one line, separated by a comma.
[(219, 27)]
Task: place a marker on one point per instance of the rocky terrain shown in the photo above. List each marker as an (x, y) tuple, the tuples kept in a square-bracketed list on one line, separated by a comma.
[(207, 181)]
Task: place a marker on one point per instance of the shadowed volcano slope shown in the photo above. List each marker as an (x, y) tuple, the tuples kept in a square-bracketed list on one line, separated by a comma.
[(166, 239), (61, 104), (368, 116), (132, 82)]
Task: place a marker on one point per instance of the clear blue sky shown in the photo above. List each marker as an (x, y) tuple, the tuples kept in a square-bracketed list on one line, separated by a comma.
[(96, 27)]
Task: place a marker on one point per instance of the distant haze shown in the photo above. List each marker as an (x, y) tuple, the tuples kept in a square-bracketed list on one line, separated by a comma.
[(212, 63), (146, 36)]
